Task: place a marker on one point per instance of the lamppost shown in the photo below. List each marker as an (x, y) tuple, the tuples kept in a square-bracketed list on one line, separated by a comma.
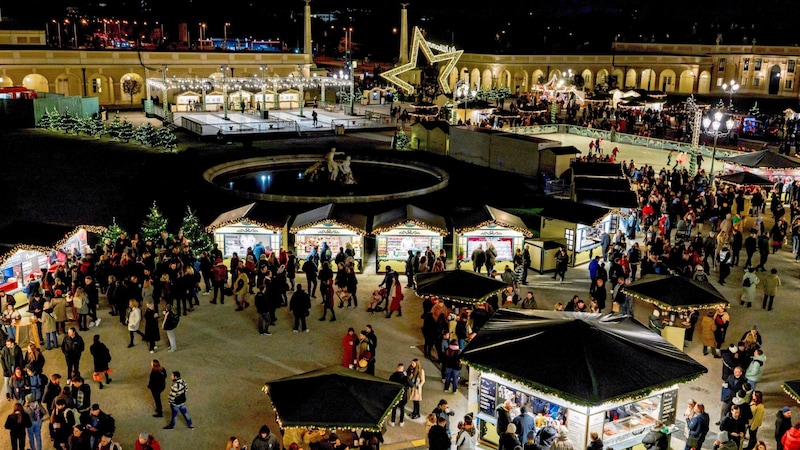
[(715, 126), (225, 36), (730, 88), (59, 31), (353, 64), (263, 70), (224, 70), (202, 27), (463, 93), (301, 86), (348, 36)]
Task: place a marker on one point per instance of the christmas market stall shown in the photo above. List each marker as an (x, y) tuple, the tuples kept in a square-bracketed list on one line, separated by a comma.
[(744, 179), (484, 226), (675, 297), (214, 101), (188, 101), (405, 229), (333, 225), (240, 100), (584, 388), (792, 389), (239, 229), (765, 163), (457, 286), (332, 399)]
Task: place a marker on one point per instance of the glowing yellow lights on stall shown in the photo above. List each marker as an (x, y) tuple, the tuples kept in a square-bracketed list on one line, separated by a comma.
[(418, 43)]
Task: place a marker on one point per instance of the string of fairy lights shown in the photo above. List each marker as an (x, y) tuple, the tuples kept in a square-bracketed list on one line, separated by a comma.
[(255, 83)]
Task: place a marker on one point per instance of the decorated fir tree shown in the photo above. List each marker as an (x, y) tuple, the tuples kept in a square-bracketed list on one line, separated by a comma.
[(720, 105), (126, 132), (84, 125), (401, 141), (154, 223), (166, 138), (115, 127), (97, 128), (146, 135), (198, 239), (45, 120), (113, 231), (69, 122), (755, 111)]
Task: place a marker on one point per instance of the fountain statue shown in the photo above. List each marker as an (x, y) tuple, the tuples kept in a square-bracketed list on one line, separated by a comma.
[(330, 169)]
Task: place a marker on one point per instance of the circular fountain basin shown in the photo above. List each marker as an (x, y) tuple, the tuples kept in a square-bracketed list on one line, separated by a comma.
[(282, 179)]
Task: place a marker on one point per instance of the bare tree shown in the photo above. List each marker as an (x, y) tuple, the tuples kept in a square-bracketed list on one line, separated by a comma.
[(131, 86)]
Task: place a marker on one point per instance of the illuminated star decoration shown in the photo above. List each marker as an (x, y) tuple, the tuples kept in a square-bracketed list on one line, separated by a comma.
[(419, 43)]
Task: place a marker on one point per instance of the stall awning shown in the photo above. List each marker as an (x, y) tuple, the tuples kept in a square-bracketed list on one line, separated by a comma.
[(409, 214), (254, 213), (330, 213), (673, 293), (763, 159), (42, 234), (567, 211), (601, 358), (333, 398), (486, 215), (745, 179), (596, 169), (459, 286), (792, 389)]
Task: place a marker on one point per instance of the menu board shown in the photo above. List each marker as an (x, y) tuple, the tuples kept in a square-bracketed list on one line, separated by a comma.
[(488, 396), (576, 428), (668, 407)]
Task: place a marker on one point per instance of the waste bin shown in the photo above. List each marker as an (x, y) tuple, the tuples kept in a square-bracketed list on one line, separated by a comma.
[(339, 130), (265, 114)]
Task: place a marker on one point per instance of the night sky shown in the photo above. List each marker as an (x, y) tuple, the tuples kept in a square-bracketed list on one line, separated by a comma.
[(516, 27)]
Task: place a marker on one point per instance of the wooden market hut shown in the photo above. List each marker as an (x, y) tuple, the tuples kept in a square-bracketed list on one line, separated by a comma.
[(406, 228), (331, 224), (485, 225), (245, 226)]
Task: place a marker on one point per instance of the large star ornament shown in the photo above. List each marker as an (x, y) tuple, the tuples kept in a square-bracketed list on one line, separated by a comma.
[(418, 43)]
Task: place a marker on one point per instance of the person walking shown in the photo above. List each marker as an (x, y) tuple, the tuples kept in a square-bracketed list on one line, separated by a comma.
[(241, 288), (102, 357), (399, 376), (134, 321), (310, 269), (219, 276), (36, 412), (177, 401), (771, 284), (72, 346), (749, 282), (157, 384), (17, 423), (11, 358), (300, 305), (721, 322), (152, 334), (261, 301), (170, 323), (416, 378)]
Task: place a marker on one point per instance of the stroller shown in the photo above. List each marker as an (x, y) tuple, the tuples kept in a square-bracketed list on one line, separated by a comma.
[(375, 302)]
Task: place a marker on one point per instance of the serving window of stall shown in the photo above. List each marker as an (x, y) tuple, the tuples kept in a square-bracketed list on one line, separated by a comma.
[(19, 265), (625, 421), (503, 240), (239, 237), (589, 236), (335, 236)]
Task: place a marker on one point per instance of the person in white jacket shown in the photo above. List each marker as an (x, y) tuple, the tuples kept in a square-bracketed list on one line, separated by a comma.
[(756, 368), (134, 320)]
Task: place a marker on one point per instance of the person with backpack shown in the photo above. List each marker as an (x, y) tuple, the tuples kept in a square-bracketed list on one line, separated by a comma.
[(310, 269), (749, 282), (106, 443), (36, 412), (98, 423), (171, 321), (62, 421), (452, 363), (36, 382), (265, 440)]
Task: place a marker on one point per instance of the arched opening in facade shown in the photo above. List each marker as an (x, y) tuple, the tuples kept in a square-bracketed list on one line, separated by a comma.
[(487, 79), (100, 86), (505, 80), (619, 81), (686, 82), (36, 82), (475, 79), (131, 88), (538, 77), (6, 81), (648, 81), (520, 81), (602, 77), (774, 79), (630, 79), (588, 82), (704, 83), (667, 80)]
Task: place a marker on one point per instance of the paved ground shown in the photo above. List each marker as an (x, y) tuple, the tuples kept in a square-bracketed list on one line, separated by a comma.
[(225, 362)]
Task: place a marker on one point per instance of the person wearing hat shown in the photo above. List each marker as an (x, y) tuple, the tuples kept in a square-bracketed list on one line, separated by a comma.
[(219, 276), (265, 440), (36, 412), (509, 440), (783, 422), (563, 442), (731, 385), (147, 441), (98, 423)]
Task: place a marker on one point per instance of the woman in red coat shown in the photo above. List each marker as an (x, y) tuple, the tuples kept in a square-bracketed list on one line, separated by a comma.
[(397, 290), (349, 342), (791, 440)]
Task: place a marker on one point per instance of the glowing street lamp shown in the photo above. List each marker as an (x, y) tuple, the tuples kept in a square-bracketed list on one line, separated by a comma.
[(225, 36), (730, 88), (224, 70), (715, 126)]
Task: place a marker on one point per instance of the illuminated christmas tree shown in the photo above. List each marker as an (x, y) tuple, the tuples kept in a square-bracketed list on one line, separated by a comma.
[(154, 223), (199, 240)]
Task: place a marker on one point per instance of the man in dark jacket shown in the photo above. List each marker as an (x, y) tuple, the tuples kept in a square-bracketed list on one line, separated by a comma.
[(11, 357), (72, 346), (265, 440), (399, 377), (783, 421), (98, 423), (310, 269), (503, 418), (733, 384), (262, 308), (734, 424), (750, 247), (438, 439), (300, 305), (219, 276)]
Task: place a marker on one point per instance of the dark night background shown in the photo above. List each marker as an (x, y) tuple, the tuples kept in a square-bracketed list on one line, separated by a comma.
[(516, 27)]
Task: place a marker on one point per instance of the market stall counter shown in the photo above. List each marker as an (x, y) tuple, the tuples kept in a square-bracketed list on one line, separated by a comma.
[(486, 226), (596, 396), (331, 225), (405, 229), (239, 229)]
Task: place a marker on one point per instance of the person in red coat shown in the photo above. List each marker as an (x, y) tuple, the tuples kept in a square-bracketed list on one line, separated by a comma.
[(147, 441), (791, 440), (397, 296), (349, 342)]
